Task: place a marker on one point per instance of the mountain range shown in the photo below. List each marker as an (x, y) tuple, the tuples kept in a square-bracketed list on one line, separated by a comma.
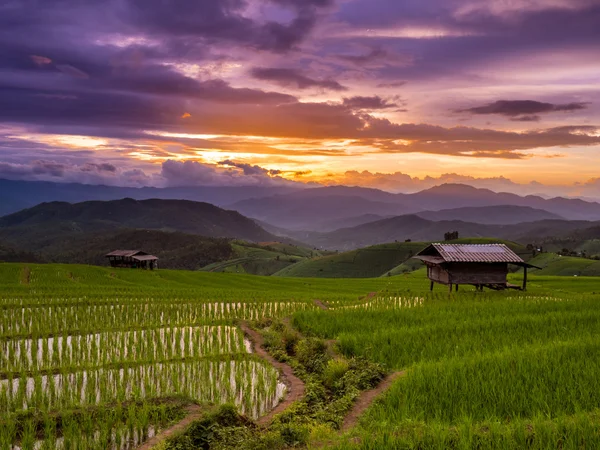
[(315, 209), (18, 195), (415, 228), (320, 209), (329, 218)]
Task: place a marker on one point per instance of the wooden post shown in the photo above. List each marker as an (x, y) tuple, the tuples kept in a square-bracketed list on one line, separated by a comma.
[(450, 288), (431, 286), (457, 288), (524, 278)]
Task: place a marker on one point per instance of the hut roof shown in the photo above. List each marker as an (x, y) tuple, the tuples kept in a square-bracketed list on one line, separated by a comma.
[(478, 253), (126, 253), (145, 258)]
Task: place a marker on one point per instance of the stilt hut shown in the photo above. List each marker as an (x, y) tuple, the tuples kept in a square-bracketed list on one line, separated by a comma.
[(480, 265), (135, 259)]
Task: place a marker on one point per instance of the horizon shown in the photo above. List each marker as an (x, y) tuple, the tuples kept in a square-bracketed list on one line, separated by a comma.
[(397, 97), (313, 186)]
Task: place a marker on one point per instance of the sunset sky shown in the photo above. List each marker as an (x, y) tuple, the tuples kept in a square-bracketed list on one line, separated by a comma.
[(395, 94)]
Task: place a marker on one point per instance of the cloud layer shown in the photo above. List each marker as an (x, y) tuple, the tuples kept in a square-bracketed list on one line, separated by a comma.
[(273, 91)]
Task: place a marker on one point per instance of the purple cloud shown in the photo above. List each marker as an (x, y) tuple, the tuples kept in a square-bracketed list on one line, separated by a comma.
[(523, 110), (294, 78)]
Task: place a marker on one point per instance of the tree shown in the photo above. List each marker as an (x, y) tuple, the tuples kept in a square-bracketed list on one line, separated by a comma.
[(450, 235)]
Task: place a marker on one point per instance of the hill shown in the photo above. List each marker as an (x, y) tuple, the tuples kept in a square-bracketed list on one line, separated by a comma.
[(18, 195), (176, 250), (416, 228), (553, 264), (49, 222), (491, 215), (262, 259), (308, 210), (375, 261), (454, 196), (10, 254), (184, 234), (347, 222), (316, 208)]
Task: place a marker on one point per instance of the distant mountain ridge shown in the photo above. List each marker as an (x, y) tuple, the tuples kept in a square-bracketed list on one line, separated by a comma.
[(298, 207), (19, 195), (492, 215), (416, 228), (49, 221), (300, 212), (313, 209)]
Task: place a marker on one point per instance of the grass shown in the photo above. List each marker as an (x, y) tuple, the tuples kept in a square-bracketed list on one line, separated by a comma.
[(553, 264), (375, 261), (262, 259), (493, 370)]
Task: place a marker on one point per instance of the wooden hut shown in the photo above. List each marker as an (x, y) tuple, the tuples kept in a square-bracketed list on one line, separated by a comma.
[(135, 259), (476, 264)]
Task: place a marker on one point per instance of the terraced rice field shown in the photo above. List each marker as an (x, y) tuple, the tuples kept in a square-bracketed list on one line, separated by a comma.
[(481, 370), (83, 341), (101, 358)]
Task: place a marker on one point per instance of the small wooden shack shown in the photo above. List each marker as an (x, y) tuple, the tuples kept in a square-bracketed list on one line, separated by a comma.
[(135, 259), (481, 265)]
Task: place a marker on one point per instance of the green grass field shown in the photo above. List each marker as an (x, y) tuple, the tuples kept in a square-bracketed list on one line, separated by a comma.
[(553, 264), (375, 261), (262, 259), (131, 348)]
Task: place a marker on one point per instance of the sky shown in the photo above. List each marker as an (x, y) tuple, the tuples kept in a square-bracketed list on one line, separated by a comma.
[(396, 95)]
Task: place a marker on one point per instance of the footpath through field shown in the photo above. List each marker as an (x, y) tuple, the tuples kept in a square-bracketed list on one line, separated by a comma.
[(295, 391), (366, 398), (194, 412), (295, 386)]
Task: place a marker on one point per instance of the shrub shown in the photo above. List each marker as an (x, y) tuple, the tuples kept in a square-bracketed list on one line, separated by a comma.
[(312, 354), (290, 339), (294, 435), (334, 371)]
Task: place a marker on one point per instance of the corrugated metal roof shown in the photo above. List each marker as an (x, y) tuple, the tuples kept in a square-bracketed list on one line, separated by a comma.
[(430, 259), (127, 253), (145, 258), (477, 253)]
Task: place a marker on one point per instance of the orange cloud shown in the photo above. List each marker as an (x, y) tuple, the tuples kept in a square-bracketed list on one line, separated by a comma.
[(186, 115)]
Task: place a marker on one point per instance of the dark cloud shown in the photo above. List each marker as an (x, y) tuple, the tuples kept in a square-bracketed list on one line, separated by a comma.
[(194, 173), (523, 110), (64, 172), (394, 84), (104, 167), (224, 20), (294, 78), (249, 169), (375, 54), (177, 23), (531, 118), (368, 103)]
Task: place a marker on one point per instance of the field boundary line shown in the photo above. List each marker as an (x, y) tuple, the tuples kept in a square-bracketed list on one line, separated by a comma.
[(67, 370), (366, 399), (321, 305), (295, 386), (194, 412)]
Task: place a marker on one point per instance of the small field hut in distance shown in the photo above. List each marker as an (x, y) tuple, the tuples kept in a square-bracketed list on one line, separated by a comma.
[(481, 265), (135, 259)]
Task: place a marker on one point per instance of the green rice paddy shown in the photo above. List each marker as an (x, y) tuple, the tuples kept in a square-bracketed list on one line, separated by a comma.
[(130, 348)]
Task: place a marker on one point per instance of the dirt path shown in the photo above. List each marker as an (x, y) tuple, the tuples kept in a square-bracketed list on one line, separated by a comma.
[(194, 412), (295, 386), (366, 398), (321, 305)]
